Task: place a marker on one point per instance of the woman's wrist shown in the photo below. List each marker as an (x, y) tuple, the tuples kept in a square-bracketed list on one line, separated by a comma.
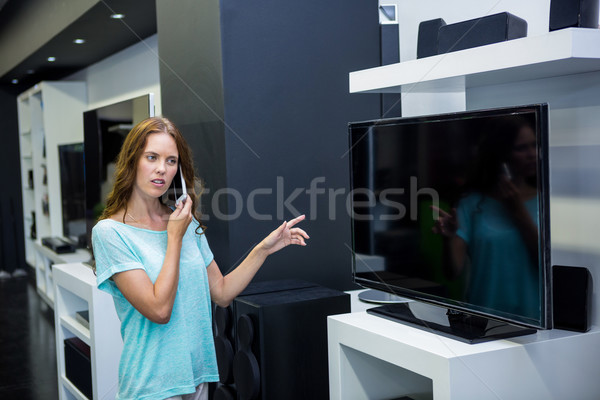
[(261, 251)]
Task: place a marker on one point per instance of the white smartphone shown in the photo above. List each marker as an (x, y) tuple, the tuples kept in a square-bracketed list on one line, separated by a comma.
[(183, 195), (506, 171)]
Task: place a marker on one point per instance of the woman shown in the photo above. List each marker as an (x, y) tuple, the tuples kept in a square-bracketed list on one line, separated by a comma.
[(493, 231), (156, 263)]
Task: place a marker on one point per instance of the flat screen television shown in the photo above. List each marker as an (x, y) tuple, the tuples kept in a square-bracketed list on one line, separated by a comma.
[(72, 189), (104, 130), (452, 210)]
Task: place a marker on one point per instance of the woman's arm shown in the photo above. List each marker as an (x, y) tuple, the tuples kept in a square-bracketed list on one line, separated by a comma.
[(223, 289), (456, 248), (155, 301)]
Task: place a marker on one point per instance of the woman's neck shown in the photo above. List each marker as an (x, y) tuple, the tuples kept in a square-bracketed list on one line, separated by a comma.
[(147, 213)]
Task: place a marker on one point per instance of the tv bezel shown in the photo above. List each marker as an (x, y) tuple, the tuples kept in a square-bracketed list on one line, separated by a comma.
[(543, 187)]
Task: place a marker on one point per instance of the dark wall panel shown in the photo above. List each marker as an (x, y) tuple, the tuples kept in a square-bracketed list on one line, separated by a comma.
[(12, 248), (286, 107), (192, 96)]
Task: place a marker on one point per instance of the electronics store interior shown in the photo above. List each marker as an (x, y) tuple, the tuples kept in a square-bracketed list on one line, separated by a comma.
[(287, 200)]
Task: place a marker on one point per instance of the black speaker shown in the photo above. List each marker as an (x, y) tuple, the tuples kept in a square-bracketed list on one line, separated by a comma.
[(390, 43), (480, 31), (571, 298), (573, 13), (427, 41), (280, 341)]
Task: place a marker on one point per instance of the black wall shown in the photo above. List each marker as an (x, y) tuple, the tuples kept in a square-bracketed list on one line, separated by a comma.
[(260, 90), (12, 253)]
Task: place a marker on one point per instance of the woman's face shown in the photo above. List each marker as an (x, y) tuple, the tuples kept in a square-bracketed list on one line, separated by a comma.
[(157, 166), (523, 156)]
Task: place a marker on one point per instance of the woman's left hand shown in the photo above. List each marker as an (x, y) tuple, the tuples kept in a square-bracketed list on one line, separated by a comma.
[(285, 235)]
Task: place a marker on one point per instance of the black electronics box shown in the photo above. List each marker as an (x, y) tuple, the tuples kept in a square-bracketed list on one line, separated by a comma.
[(480, 31), (427, 40), (573, 14), (572, 289), (272, 341), (58, 245), (78, 367)]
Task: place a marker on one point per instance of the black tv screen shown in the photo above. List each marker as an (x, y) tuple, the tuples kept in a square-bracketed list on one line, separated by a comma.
[(104, 130), (453, 210), (70, 157)]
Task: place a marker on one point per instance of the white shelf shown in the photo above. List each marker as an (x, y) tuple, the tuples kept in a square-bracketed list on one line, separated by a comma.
[(558, 53), (75, 327), (372, 357), (75, 290), (72, 388)]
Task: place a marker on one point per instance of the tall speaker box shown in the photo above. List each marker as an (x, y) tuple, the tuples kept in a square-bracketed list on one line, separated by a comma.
[(427, 40), (571, 298), (573, 13), (280, 341)]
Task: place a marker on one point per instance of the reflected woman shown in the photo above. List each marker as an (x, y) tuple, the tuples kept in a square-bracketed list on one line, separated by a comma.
[(492, 234)]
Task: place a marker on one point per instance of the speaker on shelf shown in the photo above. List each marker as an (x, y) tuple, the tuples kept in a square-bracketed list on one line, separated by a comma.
[(571, 298), (389, 34), (389, 38), (279, 341), (480, 31), (427, 40), (573, 13)]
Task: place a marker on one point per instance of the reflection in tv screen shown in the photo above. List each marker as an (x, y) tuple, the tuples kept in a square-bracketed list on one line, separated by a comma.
[(452, 209)]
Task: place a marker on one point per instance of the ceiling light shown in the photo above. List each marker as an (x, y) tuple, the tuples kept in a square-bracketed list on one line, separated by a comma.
[(117, 16), (14, 81), (51, 59), (30, 71), (79, 41)]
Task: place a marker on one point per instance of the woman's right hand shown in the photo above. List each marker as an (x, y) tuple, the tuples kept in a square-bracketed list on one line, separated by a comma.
[(180, 219), (446, 224)]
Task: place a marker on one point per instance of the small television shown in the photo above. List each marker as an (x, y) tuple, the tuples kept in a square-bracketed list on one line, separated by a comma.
[(452, 211), (72, 189), (104, 131)]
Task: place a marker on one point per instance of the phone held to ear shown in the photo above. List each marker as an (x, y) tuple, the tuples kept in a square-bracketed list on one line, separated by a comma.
[(506, 171), (179, 193)]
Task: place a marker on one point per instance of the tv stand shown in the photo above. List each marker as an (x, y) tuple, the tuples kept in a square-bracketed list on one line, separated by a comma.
[(374, 358), (454, 324)]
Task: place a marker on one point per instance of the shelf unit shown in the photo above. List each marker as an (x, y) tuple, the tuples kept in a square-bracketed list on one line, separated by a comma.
[(75, 290), (563, 52), (45, 259), (49, 114), (374, 358)]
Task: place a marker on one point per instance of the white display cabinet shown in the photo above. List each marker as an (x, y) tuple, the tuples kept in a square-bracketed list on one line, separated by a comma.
[(45, 259), (50, 114), (75, 290), (373, 358)]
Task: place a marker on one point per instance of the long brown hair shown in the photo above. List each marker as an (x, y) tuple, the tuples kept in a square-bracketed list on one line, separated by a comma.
[(127, 162)]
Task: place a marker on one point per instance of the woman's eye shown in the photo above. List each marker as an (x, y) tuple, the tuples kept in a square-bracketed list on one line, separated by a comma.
[(151, 158), (172, 161)]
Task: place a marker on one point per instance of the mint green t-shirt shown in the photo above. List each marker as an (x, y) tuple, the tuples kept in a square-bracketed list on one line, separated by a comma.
[(159, 360), (503, 275)]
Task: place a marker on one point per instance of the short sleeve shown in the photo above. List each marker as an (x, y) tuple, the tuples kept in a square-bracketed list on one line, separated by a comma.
[(205, 251), (112, 255)]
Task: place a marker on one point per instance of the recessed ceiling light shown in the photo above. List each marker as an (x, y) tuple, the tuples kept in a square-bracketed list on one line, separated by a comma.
[(30, 71), (79, 41), (51, 59), (14, 81), (117, 16)]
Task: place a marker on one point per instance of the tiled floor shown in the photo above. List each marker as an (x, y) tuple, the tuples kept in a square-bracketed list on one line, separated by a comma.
[(27, 344)]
